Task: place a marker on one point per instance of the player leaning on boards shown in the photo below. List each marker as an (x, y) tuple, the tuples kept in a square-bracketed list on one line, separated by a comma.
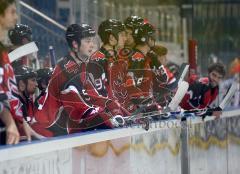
[(72, 103), (202, 92), (8, 18)]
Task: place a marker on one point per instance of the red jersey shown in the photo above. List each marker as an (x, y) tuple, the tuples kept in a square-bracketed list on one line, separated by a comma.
[(72, 103), (8, 85), (140, 73), (200, 94), (102, 59)]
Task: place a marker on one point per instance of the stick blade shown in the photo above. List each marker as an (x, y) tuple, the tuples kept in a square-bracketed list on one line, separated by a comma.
[(181, 91), (24, 50), (229, 95)]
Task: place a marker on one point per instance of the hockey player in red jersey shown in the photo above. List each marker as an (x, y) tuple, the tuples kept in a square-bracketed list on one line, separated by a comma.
[(139, 32), (112, 34), (131, 23), (138, 66), (10, 104), (43, 77), (143, 65), (20, 35), (27, 85), (115, 69), (72, 103), (203, 91), (132, 86)]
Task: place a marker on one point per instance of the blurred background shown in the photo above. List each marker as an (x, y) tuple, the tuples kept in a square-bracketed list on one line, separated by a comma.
[(213, 24)]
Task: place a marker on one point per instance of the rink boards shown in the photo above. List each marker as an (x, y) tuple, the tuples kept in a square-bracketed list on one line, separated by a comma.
[(213, 147)]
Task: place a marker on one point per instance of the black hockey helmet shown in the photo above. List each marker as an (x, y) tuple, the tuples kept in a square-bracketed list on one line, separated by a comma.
[(44, 73), (110, 26), (133, 22), (24, 73), (77, 32), (43, 76), (19, 33), (143, 32)]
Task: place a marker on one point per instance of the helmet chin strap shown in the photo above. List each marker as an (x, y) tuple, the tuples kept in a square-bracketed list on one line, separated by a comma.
[(26, 94), (111, 45)]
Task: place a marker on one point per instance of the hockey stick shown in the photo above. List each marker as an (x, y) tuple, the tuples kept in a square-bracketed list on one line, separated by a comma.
[(198, 112), (24, 50), (120, 121), (184, 69), (143, 118), (182, 90), (180, 77), (172, 106), (52, 56), (229, 95)]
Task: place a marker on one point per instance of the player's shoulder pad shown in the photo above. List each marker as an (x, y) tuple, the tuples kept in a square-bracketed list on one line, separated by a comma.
[(138, 56), (97, 56), (204, 80), (69, 65), (63, 60)]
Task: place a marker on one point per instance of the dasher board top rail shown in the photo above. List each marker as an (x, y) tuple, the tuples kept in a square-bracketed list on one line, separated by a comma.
[(25, 149)]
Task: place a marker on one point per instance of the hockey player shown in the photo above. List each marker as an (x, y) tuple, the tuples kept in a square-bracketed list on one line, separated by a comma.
[(138, 65), (112, 34), (20, 35), (43, 77), (131, 23), (142, 64), (9, 105), (114, 66), (203, 92), (131, 80), (72, 104), (27, 85)]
